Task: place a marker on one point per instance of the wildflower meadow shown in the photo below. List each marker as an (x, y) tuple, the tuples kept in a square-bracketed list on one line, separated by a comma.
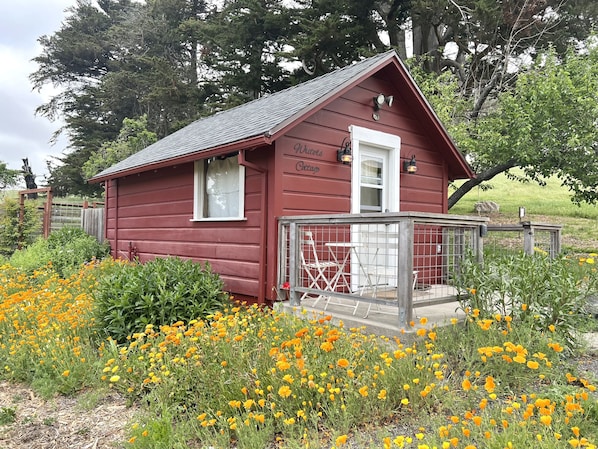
[(250, 377)]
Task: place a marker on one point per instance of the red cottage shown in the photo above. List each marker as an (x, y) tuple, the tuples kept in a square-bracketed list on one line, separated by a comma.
[(213, 190)]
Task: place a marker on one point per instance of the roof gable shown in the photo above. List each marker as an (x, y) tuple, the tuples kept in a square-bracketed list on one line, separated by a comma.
[(260, 120)]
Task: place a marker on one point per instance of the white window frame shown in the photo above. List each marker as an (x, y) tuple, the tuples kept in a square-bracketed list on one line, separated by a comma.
[(199, 194)]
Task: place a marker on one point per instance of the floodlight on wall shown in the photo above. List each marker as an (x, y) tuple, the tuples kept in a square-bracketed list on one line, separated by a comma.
[(410, 166), (379, 101), (344, 152)]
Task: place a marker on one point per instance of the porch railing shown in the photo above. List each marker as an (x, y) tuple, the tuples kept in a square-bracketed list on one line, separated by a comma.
[(543, 238), (375, 263)]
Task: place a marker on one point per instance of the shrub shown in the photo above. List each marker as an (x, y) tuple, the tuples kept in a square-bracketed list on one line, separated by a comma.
[(66, 249), (10, 234), (541, 292), (161, 291)]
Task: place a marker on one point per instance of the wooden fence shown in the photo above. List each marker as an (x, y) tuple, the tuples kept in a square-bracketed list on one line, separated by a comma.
[(57, 215)]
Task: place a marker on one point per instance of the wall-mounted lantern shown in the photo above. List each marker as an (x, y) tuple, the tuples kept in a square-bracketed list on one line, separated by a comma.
[(410, 166), (344, 152), (379, 101)]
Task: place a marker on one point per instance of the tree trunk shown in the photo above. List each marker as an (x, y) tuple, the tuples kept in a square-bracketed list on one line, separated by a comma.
[(480, 178)]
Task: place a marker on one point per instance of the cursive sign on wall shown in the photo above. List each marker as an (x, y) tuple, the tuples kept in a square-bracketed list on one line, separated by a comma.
[(301, 148), (307, 166), (302, 166)]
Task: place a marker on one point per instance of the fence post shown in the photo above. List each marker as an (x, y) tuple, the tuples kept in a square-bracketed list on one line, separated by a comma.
[(555, 243), (528, 238), (48, 214)]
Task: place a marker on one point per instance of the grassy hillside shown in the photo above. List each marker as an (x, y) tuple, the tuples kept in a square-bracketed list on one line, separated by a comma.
[(543, 204)]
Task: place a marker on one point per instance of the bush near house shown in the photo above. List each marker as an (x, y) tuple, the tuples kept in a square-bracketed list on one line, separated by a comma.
[(541, 292), (158, 292)]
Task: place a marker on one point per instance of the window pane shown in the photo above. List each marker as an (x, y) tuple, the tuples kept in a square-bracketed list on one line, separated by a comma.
[(371, 199), (371, 171), (222, 187), (372, 183)]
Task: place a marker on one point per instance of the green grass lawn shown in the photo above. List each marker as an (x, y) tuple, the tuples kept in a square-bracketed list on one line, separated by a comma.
[(544, 204)]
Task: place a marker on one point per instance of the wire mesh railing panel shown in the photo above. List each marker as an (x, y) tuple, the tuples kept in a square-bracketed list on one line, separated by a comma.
[(65, 215), (504, 241), (377, 266), (531, 238)]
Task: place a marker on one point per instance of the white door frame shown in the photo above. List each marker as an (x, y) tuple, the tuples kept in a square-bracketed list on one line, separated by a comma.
[(390, 142)]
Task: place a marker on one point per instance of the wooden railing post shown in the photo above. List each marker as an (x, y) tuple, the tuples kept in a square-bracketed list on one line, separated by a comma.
[(405, 272), (528, 238), (294, 249), (555, 242)]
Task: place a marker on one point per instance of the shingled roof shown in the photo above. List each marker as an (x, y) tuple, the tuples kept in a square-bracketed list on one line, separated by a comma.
[(262, 117)]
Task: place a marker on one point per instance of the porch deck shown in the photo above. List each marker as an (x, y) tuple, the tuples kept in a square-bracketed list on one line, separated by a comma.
[(378, 319)]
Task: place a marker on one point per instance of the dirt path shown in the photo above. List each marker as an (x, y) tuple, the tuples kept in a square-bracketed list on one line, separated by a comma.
[(81, 422)]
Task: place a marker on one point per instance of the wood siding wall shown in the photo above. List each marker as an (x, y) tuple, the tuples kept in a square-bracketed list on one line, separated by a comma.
[(311, 181), (149, 215), (308, 179)]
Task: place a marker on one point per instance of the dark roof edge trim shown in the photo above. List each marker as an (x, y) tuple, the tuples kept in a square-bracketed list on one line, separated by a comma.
[(203, 154), (429, 110), (322, 101)]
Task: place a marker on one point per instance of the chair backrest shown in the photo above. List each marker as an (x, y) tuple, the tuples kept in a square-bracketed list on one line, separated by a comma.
[(309, 243)]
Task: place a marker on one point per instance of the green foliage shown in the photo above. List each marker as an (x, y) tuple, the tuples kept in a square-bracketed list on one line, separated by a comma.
[(160, 291), (66, 249), (13, 234), (8, 415), (8, 177), (66, 177), (132, 137), (540, 293), (256, 377), (271, 373), (247, 38), (545, 124), (118, 59), (177, 60), (55, 352)]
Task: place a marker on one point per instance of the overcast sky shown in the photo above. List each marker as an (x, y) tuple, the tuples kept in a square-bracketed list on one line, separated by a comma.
[(22, 134)]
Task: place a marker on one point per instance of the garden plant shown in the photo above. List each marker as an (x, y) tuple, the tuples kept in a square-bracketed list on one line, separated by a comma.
[(248, 377)]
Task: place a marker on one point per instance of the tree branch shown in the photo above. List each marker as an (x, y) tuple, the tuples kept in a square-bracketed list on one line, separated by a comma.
[(480, 178)]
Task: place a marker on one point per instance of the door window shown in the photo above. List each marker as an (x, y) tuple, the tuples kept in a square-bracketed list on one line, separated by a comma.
[(372, 179)]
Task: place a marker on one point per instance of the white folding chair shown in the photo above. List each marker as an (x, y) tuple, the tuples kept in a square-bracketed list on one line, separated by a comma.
[(318, 272)]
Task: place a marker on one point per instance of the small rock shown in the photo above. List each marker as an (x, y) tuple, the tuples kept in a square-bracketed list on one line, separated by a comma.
[(486, 207), (592, 305)]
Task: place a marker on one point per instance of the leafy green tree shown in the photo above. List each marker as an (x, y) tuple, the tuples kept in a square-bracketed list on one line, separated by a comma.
[(243, 45), (133, 136), (66, 175), (113, 60), (334, 33), (8, 177), (177, 60), (546, 124)]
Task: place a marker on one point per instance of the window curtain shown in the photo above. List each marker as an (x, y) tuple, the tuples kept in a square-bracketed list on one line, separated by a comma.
[(222, 187)]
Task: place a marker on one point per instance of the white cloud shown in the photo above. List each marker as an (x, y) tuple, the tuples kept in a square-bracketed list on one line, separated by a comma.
[(22, 134)]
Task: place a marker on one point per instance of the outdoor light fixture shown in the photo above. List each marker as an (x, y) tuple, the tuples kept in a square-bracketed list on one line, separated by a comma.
[(410, 166), (379, 101), (344, 153)]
